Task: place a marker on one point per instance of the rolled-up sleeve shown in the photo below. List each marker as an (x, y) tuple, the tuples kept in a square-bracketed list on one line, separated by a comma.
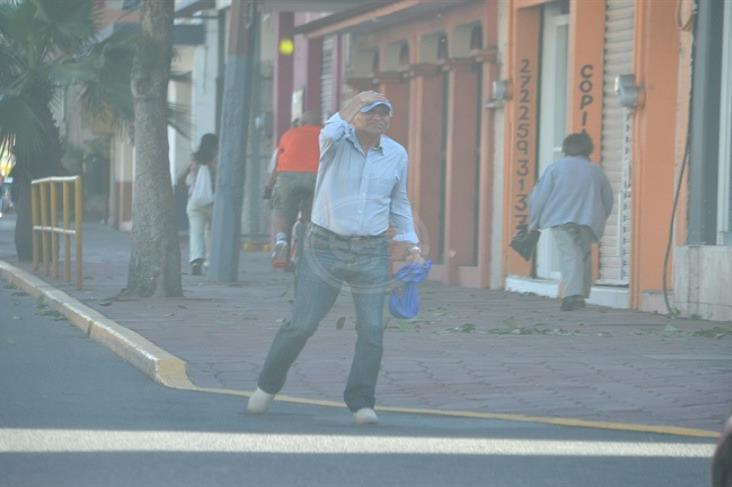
[(400, 211)]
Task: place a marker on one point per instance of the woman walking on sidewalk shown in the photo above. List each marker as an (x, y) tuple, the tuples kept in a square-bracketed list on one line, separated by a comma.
[(574, 198), (200, 213)]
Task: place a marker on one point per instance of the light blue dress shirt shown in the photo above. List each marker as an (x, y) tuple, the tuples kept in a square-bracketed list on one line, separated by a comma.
[(359, 194)]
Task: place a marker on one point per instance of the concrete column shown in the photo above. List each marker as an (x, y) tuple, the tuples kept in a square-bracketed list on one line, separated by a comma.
[(489, 224)]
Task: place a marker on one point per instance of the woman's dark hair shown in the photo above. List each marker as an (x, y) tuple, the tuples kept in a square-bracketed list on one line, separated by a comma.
[(206, 149), (579, 144)]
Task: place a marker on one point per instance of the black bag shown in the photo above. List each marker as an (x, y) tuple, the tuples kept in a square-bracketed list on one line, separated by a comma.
[(524, 242)]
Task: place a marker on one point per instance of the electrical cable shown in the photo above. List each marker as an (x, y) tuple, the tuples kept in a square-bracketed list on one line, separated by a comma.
[(685, 161), (688, 26)]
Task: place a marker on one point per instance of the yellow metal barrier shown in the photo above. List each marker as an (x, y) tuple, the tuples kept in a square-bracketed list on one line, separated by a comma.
[(44, 209)]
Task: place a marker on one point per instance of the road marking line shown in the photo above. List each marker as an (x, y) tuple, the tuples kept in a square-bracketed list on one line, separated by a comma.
[(77, 441)]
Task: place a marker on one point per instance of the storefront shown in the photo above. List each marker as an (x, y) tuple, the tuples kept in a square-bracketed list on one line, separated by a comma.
[(436, 62), (568, 61)]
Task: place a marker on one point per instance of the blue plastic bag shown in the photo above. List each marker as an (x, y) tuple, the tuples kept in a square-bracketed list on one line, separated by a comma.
[(404, 298)]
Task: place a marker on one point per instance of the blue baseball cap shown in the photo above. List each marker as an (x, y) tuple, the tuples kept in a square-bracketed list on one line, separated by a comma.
[(375, 104)]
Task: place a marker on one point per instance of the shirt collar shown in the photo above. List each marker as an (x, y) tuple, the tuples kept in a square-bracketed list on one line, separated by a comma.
[(351, 136)]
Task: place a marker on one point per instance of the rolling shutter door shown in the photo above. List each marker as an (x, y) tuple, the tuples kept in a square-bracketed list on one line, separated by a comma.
[(327, 78), (616, 143)]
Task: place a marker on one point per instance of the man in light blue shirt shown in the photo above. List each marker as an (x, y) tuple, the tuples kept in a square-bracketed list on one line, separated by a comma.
[(574, 198), (360, 191)]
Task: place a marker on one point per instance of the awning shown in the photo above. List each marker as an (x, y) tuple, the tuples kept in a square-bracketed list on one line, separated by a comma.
[(186, 8), (376, 15), (183, 34)]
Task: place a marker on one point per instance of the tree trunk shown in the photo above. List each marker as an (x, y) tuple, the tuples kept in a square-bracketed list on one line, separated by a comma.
[(32, 165), (155, 259), (21, 195)]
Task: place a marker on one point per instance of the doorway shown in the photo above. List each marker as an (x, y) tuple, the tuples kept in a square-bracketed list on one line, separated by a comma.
[(552, 115)]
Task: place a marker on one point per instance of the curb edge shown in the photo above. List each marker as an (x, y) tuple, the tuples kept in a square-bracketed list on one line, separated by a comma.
[(170, 371), (158, 364)]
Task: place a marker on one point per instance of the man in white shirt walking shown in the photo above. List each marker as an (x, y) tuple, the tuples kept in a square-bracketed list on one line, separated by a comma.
[(574, 198), (361, 189)]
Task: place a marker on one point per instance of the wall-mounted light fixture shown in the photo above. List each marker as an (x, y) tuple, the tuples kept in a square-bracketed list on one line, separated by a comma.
[(629, 93), (500, 92)]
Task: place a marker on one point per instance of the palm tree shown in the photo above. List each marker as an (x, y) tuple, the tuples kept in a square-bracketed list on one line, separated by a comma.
[(46, 45), (155, 259)]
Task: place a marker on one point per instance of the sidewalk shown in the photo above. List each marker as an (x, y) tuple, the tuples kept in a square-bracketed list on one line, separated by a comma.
[(470, 350)]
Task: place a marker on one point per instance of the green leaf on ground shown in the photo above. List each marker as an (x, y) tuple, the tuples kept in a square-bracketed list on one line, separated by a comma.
[(401, 325), (716, 333), (510, 322)]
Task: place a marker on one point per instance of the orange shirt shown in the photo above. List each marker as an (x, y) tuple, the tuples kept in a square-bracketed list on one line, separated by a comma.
[(299, 150)]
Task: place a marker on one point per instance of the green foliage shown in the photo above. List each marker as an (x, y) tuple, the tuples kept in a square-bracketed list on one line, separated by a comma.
[(45, 46), (36, 37)]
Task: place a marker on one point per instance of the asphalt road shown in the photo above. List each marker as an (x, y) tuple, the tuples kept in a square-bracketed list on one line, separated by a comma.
[(73, 414)]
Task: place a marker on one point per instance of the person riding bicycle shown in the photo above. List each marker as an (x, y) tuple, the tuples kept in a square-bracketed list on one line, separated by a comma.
[(293, 181)]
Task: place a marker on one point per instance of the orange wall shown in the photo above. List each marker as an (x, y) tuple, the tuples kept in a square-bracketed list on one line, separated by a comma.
[(521, 128), (586, 40), (422, 128), (656, 66), (586, 65), (419, 122)]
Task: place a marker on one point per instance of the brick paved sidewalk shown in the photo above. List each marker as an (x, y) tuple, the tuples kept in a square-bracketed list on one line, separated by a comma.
[(472, 350)]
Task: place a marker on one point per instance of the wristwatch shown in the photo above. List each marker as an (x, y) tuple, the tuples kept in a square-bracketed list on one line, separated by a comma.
[(415, 249)]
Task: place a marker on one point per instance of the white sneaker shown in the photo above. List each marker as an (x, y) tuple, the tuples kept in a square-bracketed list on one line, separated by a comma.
[(365, 416), (259, 402)]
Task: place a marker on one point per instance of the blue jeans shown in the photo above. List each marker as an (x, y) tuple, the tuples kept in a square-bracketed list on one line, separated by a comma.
[(328, 261)]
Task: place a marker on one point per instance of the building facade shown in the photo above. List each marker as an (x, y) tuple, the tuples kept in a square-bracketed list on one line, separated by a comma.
[(622, 71), (484, 92), (435, 61)]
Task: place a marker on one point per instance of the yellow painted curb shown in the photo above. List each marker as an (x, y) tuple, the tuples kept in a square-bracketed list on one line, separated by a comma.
[(152, 360), (255, 247), (169, 370)]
